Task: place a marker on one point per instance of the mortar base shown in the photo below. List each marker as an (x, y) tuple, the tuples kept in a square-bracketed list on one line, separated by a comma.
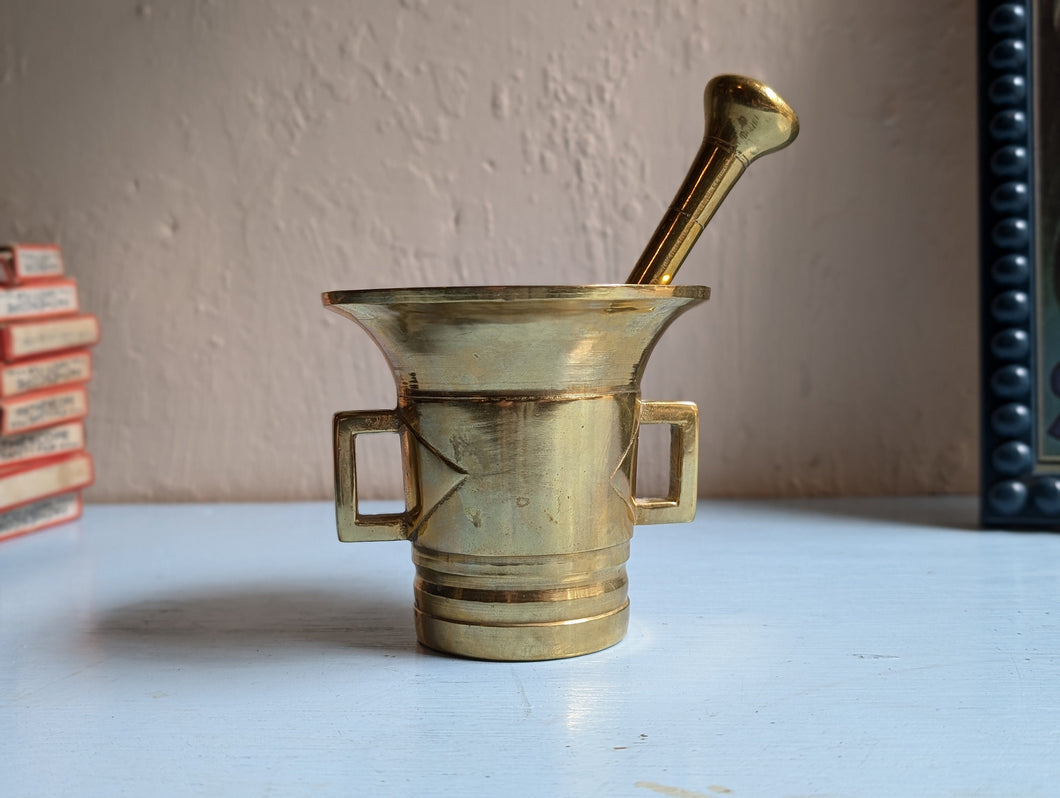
[(523, 642)]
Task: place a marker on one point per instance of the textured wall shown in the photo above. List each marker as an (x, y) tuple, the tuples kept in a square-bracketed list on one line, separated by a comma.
[(211, 167)]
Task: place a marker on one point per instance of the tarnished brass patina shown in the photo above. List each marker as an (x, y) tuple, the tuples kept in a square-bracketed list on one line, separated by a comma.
[(745, 120), (518, 411)]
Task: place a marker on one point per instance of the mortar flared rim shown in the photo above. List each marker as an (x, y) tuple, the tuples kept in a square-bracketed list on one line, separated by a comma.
[(508, 293)]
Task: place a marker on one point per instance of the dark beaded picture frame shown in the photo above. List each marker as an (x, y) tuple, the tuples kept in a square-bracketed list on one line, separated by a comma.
[(1019, 297)]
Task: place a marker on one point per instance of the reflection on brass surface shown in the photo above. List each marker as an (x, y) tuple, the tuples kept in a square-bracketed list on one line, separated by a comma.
[(518, 411), (745, 120)]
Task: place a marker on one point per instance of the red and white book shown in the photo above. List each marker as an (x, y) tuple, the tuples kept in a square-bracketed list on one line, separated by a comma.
[(40, 515), (39, 300), (48, 371), (23, 339), (21, 485), (42, 409), (23, 263), (39, 444)]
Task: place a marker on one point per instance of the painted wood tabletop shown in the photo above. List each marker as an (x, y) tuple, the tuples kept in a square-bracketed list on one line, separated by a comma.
[(811, 648)]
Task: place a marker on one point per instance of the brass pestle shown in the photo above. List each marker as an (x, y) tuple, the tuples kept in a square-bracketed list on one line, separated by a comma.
[(745, 120)]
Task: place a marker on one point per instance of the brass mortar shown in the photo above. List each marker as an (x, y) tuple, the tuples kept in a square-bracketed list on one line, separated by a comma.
[(518, 412)]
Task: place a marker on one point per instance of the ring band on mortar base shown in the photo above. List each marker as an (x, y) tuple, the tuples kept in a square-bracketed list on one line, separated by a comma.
[(524, 642), (537, 607)]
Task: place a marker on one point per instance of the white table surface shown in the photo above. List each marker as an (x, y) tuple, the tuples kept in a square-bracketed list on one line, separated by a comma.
[(813, 648)]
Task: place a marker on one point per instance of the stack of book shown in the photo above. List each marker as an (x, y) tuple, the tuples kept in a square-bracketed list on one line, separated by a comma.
[(44, 366)]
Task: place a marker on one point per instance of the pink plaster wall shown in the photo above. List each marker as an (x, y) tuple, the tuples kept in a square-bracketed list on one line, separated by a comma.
[(211, 167)]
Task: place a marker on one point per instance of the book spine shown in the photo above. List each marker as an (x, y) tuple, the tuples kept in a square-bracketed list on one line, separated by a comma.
[(40, 515), (45, 372), (21, 485), (42, 409), (20, 340), (39, 444), (29, 262), (54, 298)]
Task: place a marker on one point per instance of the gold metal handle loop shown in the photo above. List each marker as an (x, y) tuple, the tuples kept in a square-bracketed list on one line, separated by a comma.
[(354, 527), (679, 506)]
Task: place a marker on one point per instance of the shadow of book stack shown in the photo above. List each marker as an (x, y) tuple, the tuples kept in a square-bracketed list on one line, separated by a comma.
[(45, 364)]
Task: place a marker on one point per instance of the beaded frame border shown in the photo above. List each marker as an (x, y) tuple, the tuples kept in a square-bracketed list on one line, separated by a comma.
[(1015, 491)]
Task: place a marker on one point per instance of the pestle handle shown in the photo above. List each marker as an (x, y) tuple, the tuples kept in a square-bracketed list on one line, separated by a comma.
[(745, 120)]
